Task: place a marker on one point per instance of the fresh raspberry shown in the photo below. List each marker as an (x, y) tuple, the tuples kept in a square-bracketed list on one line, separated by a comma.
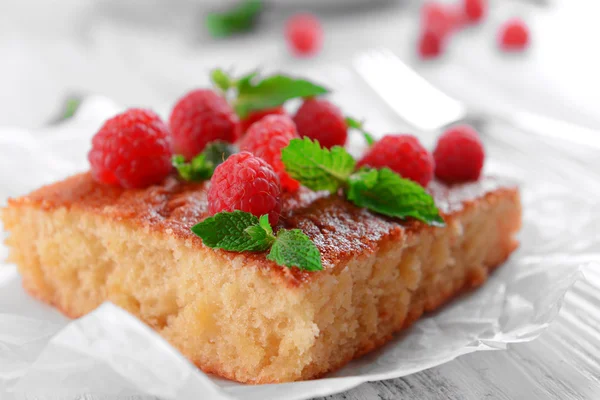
[(438, 18), (266, 138), (200, 117), (458, 155), (430, 44), (474, 10), (514, 35), (404, 155), (304, 34), (321, 120), (255, 116), (247, 183), (132, 149)]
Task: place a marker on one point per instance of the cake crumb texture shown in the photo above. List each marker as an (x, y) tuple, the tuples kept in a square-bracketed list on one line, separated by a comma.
[(235, 318)]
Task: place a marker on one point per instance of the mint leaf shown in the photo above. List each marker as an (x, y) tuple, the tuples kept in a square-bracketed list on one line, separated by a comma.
[(358, 125), (271, 92), (241, 231), (263, 221), (315, 167), (242, 17), (220, 79), (292, 248), (218, 151), (199, 169), (385, 192), (233, 231)]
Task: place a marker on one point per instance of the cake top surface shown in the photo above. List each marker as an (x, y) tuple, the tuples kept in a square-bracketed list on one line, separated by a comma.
[(339, 229)]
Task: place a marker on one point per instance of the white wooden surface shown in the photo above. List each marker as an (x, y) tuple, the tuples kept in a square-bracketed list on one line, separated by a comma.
[(149, 52)]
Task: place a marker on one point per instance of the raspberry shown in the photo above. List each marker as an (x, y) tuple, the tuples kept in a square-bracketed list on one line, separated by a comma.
[(247, 183), (132, 149), (404, 155), (514, 35), (304, 34), (474, 10), (266, 138), (258, 115), (430, 44), (458, 155), (321, 120), (200, 117), (437, 18)]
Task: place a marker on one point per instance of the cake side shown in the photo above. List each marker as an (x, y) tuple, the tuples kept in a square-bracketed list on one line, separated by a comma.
[(238, 315)]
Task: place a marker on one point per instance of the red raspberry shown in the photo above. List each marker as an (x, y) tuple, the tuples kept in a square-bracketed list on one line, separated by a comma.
[(247, 183), (266, 138), (437, 18), (404, 155), (321, 120), (474, 10), (430, 44), (458, 155), (200, 117), (304, 34), (255, 116), (132, 149), (514, 35)]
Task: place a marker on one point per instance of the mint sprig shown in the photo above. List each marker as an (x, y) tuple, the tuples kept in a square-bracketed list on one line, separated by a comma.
[(239, 18), (202, 166), (293, 248), (382, 191), (385, 192), (240, 231), (358, 125), (317, 168), (230, 231), (253, 93)]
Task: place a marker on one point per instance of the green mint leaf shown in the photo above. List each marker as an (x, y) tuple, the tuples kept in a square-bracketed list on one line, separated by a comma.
[(245, 81), (315, 167), (199, 169), (242, 17), (358, 125), (218, 151), (387, 193), (271, 92), (261, 232), (263, 221), (292, 248), (231, 231), (354, 123), (71, 106), (220, 79)]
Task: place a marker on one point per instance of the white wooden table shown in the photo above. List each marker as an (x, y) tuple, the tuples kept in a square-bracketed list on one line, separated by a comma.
[(149, 55)]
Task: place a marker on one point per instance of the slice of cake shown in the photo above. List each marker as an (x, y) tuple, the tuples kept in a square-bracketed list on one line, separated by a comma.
[(78, 243)]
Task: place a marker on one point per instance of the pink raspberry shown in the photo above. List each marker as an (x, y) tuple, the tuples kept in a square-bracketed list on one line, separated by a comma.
[(266, 138), (321, 120), (200, 117), (474, 10), (430, 44), (247, 183), (404, 155), (438, 18), (514, 35), (304, 34), (132, 149), (459, 155)]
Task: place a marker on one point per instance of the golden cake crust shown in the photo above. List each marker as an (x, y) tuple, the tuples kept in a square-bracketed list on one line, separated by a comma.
[(339, 229)]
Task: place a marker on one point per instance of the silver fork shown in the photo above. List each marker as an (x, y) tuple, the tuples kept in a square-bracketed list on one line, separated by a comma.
[(427, 109)]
